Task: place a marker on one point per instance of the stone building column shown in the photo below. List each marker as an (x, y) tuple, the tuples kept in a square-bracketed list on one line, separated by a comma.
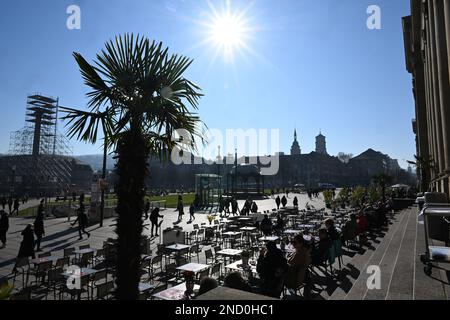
[(447, 30), (435, 93), (443, 81), (430, 93)]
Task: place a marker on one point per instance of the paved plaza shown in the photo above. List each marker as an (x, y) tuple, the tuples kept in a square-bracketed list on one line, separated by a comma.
[(395, 249)]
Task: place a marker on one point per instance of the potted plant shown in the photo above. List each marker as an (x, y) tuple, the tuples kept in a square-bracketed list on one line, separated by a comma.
[(5, 289), (210, 219)]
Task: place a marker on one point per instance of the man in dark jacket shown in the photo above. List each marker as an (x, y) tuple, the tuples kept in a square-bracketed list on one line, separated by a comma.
[(154, 220), (82, 220), (10, 203), (284, 201), (278, 202), (272, 267), (4, 226), (39, 226)]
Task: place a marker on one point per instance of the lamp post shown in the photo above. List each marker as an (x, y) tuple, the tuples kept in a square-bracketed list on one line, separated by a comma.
[(235, 173), (105, 154), (13, 180)]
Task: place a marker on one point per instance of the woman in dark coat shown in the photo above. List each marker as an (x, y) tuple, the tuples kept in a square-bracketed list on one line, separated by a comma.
[(82, 220), (27, 246)]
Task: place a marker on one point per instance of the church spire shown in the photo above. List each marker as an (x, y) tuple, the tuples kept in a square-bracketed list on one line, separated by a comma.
[(295, 149)]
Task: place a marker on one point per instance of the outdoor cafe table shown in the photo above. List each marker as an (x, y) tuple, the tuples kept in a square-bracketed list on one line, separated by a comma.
[(292, 232), (174, 293), (80, 252), (83, 251), (177, 247), (43, 260), (230, 253), (247, 229), (306, 226), (81, 272), (227, 294), (237, 266), (145, 287), (232, 233), (270, 238), (193, 267)]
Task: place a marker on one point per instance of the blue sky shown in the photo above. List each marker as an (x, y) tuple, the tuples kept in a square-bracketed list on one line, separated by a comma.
[(314, 65)]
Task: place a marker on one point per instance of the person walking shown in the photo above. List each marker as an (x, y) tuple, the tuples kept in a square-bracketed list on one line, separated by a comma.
[(234, 207), (180, 208), (82, 220), (295, 202), (27, 245), (154, 215), (10, 203), (4, 226), (284, 201), (16, 207), (192, 212), (3, 202), (254, 207), (38, 224), (147, 208), (278, 202)]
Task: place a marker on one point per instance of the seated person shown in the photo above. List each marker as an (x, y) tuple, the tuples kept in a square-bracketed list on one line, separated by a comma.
[(331, 229), (266, 225), (234, 280), (207, 284), (362, 222), (279, 227), (350, 229), (271, 267), (320, 249), (298, 263)]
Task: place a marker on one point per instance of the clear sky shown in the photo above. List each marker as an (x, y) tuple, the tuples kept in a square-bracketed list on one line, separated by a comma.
[(310, 65)]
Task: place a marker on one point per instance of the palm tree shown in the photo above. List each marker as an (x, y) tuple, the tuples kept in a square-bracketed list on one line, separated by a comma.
[(148, 99), (424, 166), (382, 180)]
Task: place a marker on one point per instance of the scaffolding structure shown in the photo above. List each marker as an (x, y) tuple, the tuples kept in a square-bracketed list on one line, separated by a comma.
[(43, 151), (40, 134)]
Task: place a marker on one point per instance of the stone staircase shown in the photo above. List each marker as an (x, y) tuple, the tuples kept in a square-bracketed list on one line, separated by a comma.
[(397, 254)]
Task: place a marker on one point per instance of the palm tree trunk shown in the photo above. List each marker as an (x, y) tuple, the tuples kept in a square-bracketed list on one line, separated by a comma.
[(131, 169)]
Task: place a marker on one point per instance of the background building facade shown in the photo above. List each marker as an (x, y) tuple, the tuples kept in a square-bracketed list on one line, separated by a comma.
[(427, 49)]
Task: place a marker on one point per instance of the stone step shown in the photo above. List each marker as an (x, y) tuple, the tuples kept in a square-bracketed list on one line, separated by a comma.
[(401, 283), (359, 289), (388, 261), (358, 265)]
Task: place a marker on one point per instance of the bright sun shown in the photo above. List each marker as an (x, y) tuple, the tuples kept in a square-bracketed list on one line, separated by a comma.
[(227, 31)]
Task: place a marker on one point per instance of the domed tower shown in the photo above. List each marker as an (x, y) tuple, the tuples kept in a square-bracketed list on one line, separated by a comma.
[(295, 149), (321, 144)]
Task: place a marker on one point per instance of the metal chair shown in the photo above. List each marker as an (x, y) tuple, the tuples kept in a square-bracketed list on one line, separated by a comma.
[(22, 267), (104, 290), (45, 254)]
